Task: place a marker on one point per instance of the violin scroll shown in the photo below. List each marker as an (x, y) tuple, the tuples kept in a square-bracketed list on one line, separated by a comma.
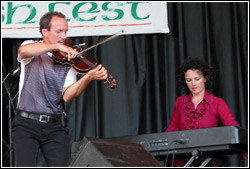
[(111, 82)]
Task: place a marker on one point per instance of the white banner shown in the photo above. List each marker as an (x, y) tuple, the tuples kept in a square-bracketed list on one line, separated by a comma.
[(20, 19)]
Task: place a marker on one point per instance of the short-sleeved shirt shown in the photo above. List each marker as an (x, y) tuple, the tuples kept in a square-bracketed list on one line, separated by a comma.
[(70, 78)]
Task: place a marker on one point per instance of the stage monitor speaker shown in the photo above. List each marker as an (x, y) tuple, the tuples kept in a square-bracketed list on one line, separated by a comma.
[(102, 152)]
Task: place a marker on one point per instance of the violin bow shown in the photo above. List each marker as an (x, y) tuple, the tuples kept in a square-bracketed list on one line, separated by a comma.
[(105, 40)]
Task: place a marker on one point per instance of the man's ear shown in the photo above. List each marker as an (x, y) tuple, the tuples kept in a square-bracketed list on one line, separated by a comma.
[(45, 32)]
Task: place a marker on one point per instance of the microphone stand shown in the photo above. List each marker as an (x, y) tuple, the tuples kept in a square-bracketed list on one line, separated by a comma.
[(11, 105)]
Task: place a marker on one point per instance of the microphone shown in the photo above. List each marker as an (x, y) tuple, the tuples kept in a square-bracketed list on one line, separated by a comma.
[(15, 71), (11, 74)]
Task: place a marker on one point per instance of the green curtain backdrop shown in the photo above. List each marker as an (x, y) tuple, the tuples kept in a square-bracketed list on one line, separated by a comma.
[(145, 67)]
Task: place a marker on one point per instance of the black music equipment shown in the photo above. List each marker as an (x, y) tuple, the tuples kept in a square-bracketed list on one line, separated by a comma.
[(217, 140), (100, 152)]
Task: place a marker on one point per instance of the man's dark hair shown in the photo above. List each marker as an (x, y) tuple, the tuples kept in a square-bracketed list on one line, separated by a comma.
[(46, 19), (197, 64)]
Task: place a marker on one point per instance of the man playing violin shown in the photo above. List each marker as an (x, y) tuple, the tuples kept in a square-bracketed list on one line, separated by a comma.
[(43, 84)]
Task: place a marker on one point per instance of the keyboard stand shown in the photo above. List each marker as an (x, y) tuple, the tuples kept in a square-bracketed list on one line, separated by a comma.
[(205, 162), (195, 156)]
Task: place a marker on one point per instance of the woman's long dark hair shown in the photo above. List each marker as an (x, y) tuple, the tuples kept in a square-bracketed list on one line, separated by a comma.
[(195, 63)]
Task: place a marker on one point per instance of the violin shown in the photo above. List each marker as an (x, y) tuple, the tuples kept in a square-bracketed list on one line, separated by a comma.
[(82, 63)]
